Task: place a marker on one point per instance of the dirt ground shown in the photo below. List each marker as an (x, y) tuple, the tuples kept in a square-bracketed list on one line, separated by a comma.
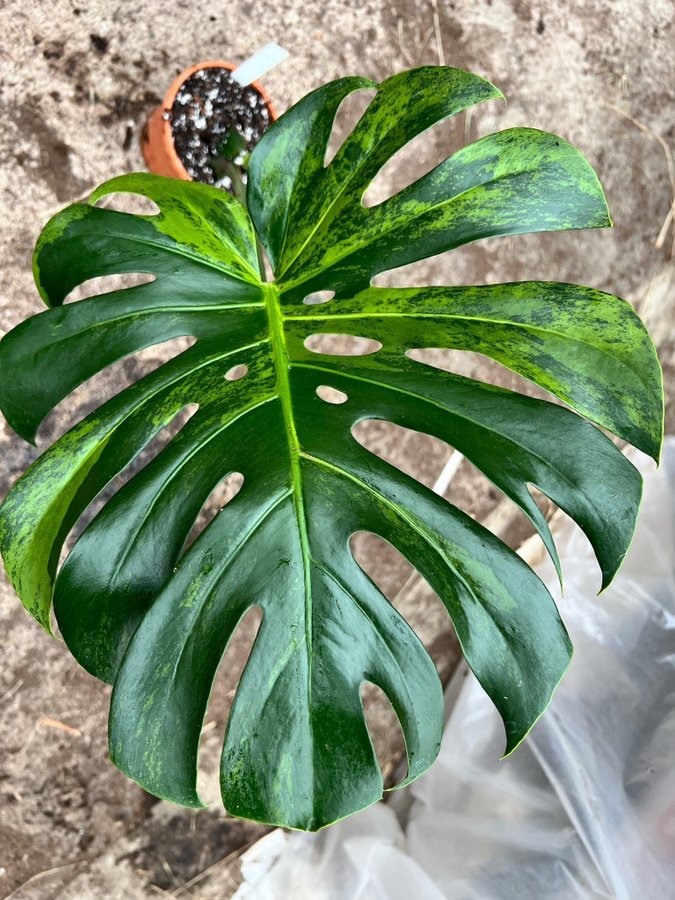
[(77, 81)]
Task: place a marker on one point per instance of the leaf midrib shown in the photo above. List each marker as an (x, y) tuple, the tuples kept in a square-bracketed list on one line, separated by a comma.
[(281, 368)]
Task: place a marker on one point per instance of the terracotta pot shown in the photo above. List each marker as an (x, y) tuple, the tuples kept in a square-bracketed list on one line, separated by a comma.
[(157, 145)]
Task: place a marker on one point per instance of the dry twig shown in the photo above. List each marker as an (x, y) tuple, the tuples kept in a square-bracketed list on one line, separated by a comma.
[(200, 876), (437, 31), (645, 129), (45, 874), (48, 722)]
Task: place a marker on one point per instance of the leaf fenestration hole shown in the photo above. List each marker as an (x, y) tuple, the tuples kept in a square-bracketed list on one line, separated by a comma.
[(225, 491), (105, 384), (152, 449), (385, 733), (419, 455), (236, 372), (348, 114), (127, 202), (106, 284), (317, 297), (223, 690), (545, 504), (480, 366), (412, 161), (331, 395), (411, 595), (421, 273), (424, 457), (388, 568), (331, 344)]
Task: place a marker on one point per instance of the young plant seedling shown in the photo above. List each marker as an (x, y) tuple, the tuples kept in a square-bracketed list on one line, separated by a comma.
[(232, 154), (140, 611)]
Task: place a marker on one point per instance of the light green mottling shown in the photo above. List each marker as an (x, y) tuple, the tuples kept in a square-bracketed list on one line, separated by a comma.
[(145, 612)]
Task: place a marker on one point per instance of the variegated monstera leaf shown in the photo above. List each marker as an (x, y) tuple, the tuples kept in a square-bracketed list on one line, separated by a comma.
[(140, 610)]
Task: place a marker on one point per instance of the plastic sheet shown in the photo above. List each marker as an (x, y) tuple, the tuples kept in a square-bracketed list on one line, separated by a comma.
[(585, 808)]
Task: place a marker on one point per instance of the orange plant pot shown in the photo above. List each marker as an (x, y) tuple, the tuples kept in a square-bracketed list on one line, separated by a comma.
[(157, 144)]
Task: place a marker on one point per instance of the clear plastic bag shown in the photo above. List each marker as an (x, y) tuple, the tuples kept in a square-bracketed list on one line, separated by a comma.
[(585, 808)]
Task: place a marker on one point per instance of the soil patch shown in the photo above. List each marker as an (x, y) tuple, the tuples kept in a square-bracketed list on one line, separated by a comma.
[(216, 123)]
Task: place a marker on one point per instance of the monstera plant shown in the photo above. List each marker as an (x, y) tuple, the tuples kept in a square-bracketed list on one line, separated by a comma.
[(152, 614)]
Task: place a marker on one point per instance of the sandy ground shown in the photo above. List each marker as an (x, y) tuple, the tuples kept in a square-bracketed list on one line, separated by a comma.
[(78, 79)]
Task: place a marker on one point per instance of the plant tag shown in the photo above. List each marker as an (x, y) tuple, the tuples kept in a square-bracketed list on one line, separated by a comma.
[(260, 63)]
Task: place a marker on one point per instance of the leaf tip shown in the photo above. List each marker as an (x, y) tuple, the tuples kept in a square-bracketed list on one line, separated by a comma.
[(516, 735)]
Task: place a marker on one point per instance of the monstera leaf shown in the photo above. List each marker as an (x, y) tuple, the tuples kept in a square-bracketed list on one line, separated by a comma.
[(140, 610)]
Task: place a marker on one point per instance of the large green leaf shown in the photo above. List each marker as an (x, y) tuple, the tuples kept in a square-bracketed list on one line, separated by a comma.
[(140, 610)]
